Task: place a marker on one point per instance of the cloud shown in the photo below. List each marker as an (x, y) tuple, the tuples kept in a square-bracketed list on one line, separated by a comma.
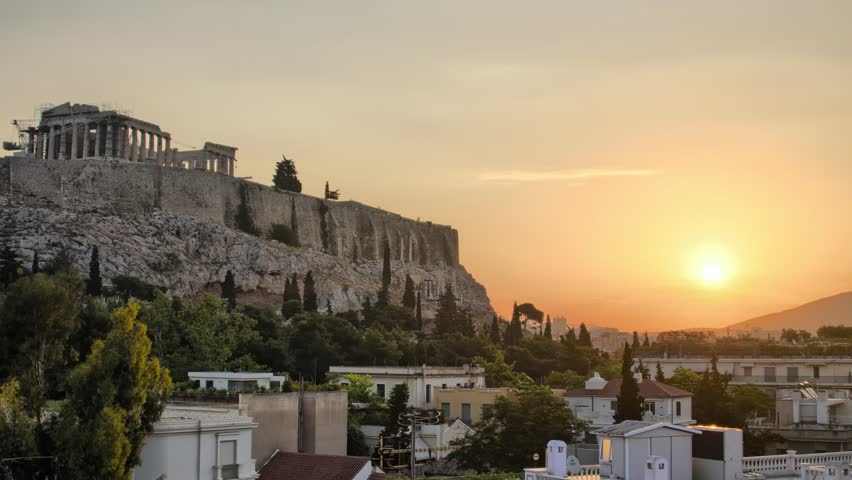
[(517, 176)]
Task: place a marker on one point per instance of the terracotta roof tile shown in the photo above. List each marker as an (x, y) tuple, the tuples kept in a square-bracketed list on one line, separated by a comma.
[(647, 389), (302, 466)]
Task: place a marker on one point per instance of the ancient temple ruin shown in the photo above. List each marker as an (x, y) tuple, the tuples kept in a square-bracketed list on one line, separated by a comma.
[(79, 131)]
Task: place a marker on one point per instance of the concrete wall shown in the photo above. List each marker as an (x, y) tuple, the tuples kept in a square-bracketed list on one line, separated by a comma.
[(345, 229), (325, 420)]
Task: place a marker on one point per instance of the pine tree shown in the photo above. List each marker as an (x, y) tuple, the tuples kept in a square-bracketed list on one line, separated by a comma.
[(584, 339), (331, 194), (629, 405), (447, 317), (8, 266), (408, 299), (35, 267), (94, 286), (397, 404), (291, 289), (547, 332), (635, 344), (495, 330), (229, 290), (467, 327), (660, 376), (646, 342), (310, 296), (286, 177)]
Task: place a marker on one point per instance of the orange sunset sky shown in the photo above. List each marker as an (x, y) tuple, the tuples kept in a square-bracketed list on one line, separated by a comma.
[(645, 165)]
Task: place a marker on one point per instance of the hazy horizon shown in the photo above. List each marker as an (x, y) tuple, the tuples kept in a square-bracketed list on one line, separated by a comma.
[(647, 167)]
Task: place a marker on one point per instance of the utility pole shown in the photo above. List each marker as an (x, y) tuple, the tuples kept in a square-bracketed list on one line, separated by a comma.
[(413, 419)]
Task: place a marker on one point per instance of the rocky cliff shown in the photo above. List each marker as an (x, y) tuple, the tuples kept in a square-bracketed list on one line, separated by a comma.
[(174, 228)]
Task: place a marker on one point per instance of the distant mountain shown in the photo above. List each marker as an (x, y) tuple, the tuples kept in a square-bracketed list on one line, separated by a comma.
[(834, 310)]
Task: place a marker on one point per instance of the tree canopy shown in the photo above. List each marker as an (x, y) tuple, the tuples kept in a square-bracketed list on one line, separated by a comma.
[(286, 177)]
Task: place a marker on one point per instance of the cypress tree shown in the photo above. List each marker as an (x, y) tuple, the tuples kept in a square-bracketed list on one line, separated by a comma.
[(547, 332), (467, 327), (286, 292), (94, 286), (408, 298), (660, 376), (292, 291), (35, 268), (367, 312), (384, 293), (646, 342), (495, 330), (570, 338), (643, 370), (328, 310), (418, 313), (585, 338), (635, 344), (229, 290), (629, 405), (447, 317), (514, 333), (8, 266), (310, 297)]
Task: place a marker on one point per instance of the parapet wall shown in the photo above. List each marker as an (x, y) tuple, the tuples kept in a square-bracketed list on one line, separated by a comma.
[(345, 229)]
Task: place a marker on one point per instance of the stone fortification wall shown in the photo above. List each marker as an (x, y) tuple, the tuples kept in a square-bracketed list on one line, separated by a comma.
[(348, 230)]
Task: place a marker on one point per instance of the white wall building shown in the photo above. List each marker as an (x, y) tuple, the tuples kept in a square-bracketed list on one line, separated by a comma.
[(596, 402), (422, 381), (198, 443), (238, 381)]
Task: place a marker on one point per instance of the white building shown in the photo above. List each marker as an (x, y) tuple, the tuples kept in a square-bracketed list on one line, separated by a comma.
[(827, 372), (596, 402), (238, 381), (198, 443), (422, 381)]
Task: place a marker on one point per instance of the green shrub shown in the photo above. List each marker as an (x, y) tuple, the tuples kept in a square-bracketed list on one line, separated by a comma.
[(284, 234)]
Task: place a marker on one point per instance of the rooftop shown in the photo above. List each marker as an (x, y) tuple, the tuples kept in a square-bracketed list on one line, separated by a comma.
[(302, 466), (237, 375), (647, 389), (430, 370), (628, 428)]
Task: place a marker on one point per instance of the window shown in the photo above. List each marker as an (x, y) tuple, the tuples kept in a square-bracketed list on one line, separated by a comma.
[(651, 407), (792, 374), (614, 405), (816, 371), (769, 374), (428, 393), (606, 449), (445, 412), (380, 389), (208, 384), (677, 408), (466, 413), (228, 459), (444, 386), (747, 371)]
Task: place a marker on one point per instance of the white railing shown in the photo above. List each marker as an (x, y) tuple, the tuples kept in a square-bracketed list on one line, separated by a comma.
[(587, 472), (786, 465)]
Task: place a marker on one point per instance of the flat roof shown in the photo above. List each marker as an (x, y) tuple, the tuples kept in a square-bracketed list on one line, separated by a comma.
[(237, 375)]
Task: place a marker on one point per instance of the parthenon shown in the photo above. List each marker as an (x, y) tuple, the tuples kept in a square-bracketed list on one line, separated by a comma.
[(78, 131)]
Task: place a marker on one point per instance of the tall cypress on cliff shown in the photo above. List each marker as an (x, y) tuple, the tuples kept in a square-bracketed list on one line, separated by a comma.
[(447, 316), (547, 331), (35, 267), (94, 286), (310, 296), (585, 338), (229, 290), (408, 299), (384, 293), (514, 332), (418, 313), (495, 330)]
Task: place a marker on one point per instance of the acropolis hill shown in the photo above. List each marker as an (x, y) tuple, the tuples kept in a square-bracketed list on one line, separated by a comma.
[(82, 178)]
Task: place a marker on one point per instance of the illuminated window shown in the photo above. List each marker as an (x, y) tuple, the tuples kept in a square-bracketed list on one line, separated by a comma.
[(606, 449)]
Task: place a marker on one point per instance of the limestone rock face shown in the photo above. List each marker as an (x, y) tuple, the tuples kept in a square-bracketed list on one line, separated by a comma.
[(188, 254)]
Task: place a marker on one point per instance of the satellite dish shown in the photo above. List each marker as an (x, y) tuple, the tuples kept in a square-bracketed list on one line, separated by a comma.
[(574, 465), (535, 457)]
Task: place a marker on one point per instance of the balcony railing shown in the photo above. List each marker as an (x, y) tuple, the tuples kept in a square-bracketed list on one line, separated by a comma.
[(788, 465), (791, 380)]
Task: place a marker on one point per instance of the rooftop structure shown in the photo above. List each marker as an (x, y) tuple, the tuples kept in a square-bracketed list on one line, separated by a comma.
[(301, 466), (238, 381), (596, 402), (79, 131), (197, 442), (422, 381)]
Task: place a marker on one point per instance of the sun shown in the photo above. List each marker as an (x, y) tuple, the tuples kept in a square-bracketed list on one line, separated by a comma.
[(711, 273)]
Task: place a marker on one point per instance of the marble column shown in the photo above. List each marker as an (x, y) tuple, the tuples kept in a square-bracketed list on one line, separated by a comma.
[(85, 152), (125, 145), (151, 152), (159, 149), (39, 151), (134, 145), (169, 158), (143, 152), (98, 138), (63, 142), (108, 144), (31, 142), (75, 141), (231, 169)]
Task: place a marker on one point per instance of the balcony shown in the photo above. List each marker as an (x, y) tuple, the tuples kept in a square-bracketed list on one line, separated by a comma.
[(792, 380)]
